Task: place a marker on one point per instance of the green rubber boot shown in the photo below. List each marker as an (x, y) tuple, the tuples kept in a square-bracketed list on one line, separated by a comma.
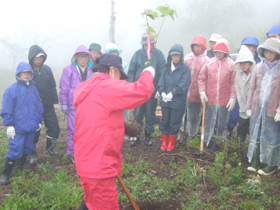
[(267, 170), (256, 159)]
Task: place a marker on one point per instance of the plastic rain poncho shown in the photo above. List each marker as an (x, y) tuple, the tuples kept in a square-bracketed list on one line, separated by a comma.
[(194, 106), (263, 101), (242, 80), (216, 79)]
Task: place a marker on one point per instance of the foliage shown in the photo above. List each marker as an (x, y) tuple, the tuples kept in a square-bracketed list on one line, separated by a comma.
[(164, 12)]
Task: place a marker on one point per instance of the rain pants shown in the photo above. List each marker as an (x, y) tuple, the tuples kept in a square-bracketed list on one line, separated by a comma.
[(194, 106), (216, 79), (263, 101), (46, 86), (99, 135), (177, 82), (69, 80), (138, 63), (22, 108)]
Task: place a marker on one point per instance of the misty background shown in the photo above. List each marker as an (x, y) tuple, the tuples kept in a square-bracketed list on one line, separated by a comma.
[(59, 27)]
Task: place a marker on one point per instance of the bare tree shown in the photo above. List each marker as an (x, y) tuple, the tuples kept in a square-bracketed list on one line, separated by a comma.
[(112, 23)]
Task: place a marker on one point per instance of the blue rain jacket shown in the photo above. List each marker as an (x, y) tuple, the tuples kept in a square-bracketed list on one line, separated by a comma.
[(21, 105)]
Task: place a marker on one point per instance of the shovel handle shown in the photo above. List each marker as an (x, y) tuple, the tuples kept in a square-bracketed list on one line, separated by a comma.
[(202, 128), (127, 193)]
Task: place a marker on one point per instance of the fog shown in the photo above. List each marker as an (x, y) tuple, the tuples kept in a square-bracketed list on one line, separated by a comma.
[(59, 27)]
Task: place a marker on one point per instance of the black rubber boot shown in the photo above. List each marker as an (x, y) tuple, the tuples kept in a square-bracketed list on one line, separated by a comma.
[(8, 167), (50, 146), (83, 205), (33, 156), (134, 143), (148, 138), (20, 163)]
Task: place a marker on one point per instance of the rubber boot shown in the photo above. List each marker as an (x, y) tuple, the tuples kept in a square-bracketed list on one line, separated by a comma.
[(164, 141), (267, 170), (33, 156), (20, 163), (256, 159), (134, 143), (148, 138), (242, 140), (51, 142), (8, 167), (214, 147), (171, 143)]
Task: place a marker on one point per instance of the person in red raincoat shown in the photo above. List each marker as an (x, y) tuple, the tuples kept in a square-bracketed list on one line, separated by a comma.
[(100, 103)]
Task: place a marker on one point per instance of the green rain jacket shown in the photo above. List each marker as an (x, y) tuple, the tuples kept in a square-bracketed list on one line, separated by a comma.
[(140, 61)]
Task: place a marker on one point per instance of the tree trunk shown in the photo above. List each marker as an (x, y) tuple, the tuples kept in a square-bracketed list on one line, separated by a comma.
[(112, 24)]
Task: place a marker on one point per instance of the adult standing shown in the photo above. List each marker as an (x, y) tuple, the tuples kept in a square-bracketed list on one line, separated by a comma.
[(99, 134), (46, 86), (95, 51), (138, 63), (73, 74)]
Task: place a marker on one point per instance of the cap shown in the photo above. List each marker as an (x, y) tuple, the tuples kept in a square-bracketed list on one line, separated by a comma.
[(40, 55), (95, 46), (175, 53), (145, 37), (215, 37), (109, 59)]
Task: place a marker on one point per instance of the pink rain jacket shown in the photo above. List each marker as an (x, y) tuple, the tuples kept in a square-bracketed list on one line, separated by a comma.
[(195, 62), (216, 79), (100, 103)]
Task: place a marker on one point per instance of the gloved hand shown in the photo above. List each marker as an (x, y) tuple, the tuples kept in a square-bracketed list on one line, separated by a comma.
[(64, 107), (11, 132), (203, 96), (39, 127), (169, 97), (56, 108), (129, 138), (150, 69), (231, 104), (277, 117), (163, 96), (157, 95), (249, 113)]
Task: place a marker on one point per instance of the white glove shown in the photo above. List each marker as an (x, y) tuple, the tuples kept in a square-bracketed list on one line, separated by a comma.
[(129, 138), (277, 117), (11, 132), (249, 113), (150, 69), (203, 96), (56, 108), (231, 104), (163, 95), (157, 95), (169, 97), (39, 127)]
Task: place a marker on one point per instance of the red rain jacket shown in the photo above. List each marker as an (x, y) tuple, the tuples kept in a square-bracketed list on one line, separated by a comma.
[(100, 103), (195, 62), (216, 79)]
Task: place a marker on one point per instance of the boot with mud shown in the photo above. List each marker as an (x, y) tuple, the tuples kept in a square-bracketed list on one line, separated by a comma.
[(148, 138), (267, 170), (20, 163), (34, 156), (8, 167), (51, 142), (134, 143), (256, 159)]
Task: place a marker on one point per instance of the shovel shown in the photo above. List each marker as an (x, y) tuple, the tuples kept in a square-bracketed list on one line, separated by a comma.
[(127, 193), (202, 129)]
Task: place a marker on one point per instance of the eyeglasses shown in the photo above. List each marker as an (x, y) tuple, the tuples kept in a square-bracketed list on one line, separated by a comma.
[(267, 52)]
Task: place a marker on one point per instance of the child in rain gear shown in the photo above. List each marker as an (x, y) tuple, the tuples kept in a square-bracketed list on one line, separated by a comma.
[(252, 43), (195, 61), (264, 107), (216, 86), (173, 86), (244, 65), (22, 114)]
